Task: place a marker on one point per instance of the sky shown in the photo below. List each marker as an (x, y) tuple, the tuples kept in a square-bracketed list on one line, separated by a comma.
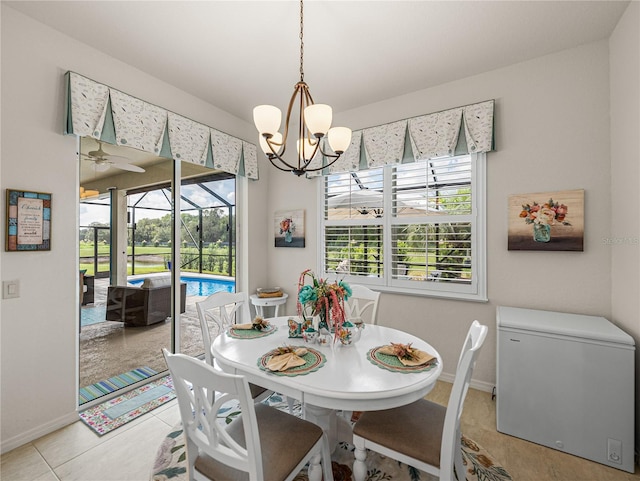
[(90, 212)]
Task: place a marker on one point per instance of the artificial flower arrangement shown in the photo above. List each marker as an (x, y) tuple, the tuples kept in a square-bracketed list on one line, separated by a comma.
[(259, 324), (547, 213), (404, 351), (323, 298)]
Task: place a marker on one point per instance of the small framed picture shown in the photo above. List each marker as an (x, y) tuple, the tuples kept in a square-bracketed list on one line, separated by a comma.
[(289, 228), (28, 221)]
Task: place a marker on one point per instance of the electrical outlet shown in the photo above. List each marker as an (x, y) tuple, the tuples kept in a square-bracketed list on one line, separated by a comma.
[(614, 451)]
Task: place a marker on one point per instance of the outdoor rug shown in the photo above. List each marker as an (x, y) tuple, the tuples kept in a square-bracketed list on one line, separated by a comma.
[(101, 388), (112, 414), (171, 463)]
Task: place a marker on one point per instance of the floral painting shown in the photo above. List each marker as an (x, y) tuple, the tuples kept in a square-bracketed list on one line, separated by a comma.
[(289, 228), (547, 221)]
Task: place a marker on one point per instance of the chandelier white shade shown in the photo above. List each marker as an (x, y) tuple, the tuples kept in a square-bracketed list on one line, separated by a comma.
[(318, 118), (339, 138), (267, 118), (314, 123)]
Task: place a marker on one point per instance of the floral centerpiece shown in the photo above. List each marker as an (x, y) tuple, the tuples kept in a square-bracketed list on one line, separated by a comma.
[(543, 217), (324, 299)]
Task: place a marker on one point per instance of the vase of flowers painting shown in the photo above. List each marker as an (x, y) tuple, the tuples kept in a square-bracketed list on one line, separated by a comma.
[(554, 224), (289, 228)]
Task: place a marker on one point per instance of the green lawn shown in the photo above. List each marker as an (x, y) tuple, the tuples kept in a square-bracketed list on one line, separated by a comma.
[(158, 264), (86, 250)]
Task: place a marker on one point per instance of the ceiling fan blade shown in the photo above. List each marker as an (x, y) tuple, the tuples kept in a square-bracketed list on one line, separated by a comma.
[(129, 167), (115, 159), (102, 155)]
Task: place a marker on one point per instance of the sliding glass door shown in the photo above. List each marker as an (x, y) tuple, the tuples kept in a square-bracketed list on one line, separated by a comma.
[(126, 235)]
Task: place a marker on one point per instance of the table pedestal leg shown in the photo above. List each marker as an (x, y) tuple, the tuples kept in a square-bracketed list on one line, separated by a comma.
[(326, 419), (336, 428)]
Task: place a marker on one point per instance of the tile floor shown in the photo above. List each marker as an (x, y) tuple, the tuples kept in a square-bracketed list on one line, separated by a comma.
[(76, 453), (128, 453)]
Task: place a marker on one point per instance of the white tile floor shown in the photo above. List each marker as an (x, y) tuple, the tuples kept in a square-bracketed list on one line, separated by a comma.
[(75, 452), (127, 454)]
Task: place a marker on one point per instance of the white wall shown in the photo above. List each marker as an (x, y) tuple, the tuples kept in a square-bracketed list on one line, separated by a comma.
[(552, 133), (624, 48), (39, 330)]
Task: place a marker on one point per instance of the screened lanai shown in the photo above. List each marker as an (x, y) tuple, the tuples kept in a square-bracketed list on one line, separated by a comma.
[(207, 216), (142, 215)]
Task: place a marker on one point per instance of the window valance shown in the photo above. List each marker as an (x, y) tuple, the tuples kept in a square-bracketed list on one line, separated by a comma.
[(457, 131), (98, 111)]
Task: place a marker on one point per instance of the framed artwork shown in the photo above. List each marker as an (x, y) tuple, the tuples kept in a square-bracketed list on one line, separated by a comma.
[(289, 228), (28, 221), (547, 221)]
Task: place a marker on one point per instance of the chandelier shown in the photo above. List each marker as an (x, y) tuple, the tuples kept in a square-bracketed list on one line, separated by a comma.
[(314, 122)]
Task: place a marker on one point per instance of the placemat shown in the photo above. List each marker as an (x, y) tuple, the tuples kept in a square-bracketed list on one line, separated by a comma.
[(251, 333), (392, 363), (314, 360)]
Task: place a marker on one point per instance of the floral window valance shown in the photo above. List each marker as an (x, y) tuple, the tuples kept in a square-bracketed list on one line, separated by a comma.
[(457, 131), (98, 111)]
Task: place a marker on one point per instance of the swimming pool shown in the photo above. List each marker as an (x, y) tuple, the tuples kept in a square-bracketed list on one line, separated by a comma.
[(201, 286)]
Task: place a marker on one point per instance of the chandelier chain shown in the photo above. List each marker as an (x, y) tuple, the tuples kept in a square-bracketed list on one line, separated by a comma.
[(268, 118), (301, 42)]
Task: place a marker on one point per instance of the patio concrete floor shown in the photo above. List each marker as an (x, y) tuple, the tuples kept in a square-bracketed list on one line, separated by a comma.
[(109, 348)]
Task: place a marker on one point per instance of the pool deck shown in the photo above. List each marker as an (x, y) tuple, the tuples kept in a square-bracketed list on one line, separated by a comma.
[(110, 348)]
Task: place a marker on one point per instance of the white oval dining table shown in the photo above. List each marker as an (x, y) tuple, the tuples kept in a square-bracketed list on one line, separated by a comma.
[(347, 381)]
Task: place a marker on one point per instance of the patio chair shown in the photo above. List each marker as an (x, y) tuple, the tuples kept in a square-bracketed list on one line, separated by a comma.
[(144, 305)]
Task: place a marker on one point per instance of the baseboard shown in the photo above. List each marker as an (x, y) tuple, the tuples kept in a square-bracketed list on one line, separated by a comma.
[(479, 385), (37, 432)]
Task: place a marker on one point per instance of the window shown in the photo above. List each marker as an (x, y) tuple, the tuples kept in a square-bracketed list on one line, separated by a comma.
[(416, 228)]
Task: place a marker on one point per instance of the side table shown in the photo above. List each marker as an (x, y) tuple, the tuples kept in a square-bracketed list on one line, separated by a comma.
[(261, 302)]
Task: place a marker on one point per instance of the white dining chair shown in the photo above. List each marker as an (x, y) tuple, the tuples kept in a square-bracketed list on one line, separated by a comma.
[(262, 443), (224, 309), (424, 434), (362, 303)]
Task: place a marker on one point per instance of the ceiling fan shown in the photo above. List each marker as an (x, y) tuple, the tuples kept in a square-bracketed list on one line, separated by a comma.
[(102, 161)]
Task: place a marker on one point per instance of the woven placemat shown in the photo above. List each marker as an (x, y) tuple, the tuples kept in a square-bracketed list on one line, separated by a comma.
[(251, 333), (314, 360), (392, 363)]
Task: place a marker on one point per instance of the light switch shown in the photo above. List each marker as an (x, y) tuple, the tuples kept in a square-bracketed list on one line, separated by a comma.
[(10, 289)]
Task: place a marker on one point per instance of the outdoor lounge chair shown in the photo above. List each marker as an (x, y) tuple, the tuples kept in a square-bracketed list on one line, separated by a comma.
[(144, 305)]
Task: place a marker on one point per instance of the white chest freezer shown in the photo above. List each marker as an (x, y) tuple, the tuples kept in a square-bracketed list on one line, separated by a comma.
[(566, 381)]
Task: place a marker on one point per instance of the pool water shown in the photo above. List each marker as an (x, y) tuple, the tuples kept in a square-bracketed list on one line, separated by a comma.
[(201, 286)]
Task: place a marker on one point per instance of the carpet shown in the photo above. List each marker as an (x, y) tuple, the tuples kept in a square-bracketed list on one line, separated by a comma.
[(101, 388), (171, 463), (92, 315), (112, 414)]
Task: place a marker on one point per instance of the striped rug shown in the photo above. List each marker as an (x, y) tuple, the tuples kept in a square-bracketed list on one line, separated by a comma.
[(94, 391), (109, 415)]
